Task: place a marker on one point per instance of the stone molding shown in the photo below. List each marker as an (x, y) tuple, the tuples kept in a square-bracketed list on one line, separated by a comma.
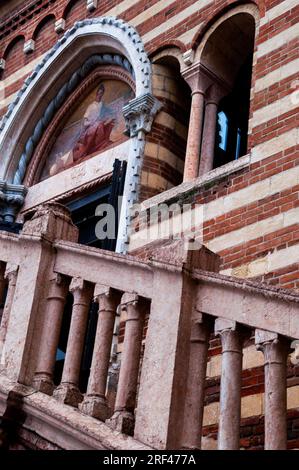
[(113, 29)]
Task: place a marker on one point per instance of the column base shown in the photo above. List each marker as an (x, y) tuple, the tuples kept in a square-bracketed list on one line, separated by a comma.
[(94, 406), (122, 421), (68, 394), (43, 383)]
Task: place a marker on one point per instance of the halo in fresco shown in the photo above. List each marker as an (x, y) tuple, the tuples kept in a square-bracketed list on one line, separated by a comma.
[(97, 123)]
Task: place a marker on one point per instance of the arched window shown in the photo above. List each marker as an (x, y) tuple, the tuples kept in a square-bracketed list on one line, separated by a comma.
[(228, 55), (219, 76)]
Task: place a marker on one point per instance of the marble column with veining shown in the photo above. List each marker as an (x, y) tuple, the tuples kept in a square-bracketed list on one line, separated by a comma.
[(94, 403)]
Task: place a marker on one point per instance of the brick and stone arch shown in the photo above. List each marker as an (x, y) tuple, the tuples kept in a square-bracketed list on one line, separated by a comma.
[(216, 71), (52, 80), (43, 35), (72, 11), (11, 55)]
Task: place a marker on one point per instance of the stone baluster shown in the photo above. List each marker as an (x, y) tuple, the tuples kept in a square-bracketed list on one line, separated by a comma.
[(94, 403), (123, 417), (194, 405), (10, 275), (68, 391), (198, 84), (275, 349), (209, 131), (232, 338), (43, 377)]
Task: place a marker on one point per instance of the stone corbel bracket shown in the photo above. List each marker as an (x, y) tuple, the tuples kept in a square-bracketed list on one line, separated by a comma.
[(12, 198)]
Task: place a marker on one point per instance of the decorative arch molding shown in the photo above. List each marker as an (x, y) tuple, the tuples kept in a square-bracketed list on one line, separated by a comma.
[(111, 71), (249, 8), (106, 34), (31, 110)]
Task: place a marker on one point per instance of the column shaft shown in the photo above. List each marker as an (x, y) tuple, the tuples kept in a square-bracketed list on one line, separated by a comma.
[(230, 386), (275, 351), (208, 140), (43, 377), (68, 391), (94, 402), (194, 406), (194, 136), (123, 418)]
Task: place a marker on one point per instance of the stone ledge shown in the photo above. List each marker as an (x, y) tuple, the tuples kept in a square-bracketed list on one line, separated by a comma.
[(63, 425), (198, 183)]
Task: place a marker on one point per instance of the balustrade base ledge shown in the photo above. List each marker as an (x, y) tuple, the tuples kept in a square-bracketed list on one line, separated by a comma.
[(95, 407), (59, 424), (68, 394), (122, 421), (43, 384)]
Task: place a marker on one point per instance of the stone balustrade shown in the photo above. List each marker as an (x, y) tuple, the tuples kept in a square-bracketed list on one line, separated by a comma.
[(160, 393)]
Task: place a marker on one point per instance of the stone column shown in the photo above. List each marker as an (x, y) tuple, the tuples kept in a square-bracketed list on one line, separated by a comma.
[(230, 386), (275, 349), (198, 83), (123, 417), (11, 273), (68, 391), (94, 403), (209, 131), (194, 405), (43, 378)]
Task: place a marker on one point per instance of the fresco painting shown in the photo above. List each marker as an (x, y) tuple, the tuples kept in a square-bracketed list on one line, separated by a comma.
[(96, 124)]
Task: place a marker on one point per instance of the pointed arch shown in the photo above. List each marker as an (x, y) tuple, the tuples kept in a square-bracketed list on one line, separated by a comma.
[(20, 127)]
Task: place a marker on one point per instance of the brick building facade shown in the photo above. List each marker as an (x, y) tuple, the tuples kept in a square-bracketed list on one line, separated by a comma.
[(201, 101)]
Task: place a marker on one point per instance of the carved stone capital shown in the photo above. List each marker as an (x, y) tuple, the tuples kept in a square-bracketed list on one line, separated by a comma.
[(12, 198), (129, 299), (139, 114), (232, 335), (274, 346), (107, 298), (77, 284), (197, 80), (2, 64)]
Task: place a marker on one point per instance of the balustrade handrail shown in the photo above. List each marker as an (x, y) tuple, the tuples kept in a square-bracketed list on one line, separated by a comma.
[(249, 303), (246, 285)]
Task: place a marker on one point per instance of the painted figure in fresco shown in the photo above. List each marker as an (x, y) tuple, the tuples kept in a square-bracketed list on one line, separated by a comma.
[(98, 122), (91, 128)]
